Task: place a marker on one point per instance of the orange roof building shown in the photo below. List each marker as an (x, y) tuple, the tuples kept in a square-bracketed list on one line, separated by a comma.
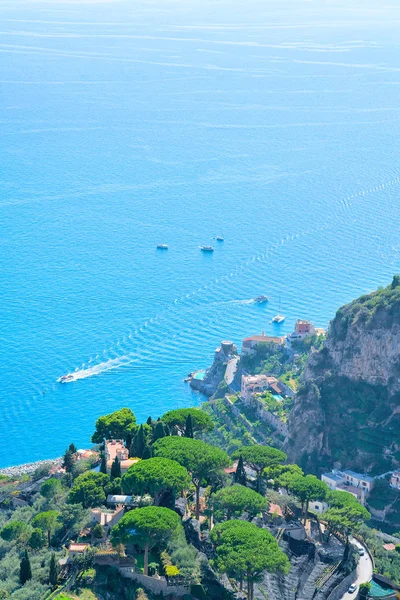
[(116, 448)]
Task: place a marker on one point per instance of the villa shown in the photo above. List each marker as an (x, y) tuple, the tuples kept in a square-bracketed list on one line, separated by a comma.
[(116, 448), (357, 484), (303, 329), (107, 518), (249, 344)]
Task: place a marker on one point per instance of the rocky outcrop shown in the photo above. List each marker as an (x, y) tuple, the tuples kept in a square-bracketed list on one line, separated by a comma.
[(347, 413), (214, 376)]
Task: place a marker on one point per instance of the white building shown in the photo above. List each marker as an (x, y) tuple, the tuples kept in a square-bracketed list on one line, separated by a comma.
[(357, 484), (395, 480), (359, 480), (319, 506)]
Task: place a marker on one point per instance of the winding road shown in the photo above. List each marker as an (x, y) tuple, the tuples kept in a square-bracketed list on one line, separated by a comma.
[(364, 570)]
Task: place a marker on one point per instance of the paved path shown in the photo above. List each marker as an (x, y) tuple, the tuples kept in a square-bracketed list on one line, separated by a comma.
[(364, 570), (231, 369)]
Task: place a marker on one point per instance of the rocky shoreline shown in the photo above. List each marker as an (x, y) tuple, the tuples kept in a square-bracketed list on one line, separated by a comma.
[(29, 468)]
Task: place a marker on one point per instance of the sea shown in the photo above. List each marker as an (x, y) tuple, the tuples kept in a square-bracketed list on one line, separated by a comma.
[(130, 123)]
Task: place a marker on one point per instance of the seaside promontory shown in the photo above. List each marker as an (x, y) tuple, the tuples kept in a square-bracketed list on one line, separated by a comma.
[(348, 408)]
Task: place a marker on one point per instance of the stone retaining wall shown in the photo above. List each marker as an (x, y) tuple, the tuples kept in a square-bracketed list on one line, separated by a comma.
[(153, 584), (338, 592)]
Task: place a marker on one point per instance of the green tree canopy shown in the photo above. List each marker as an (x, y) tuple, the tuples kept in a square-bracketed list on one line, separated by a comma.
[(15, 531), (155, 476), (245, 550), (283, 475), (146, 527), (89, 489), (340, 499), (73, 516), (346, 519), (51, 488), (308, 488), (177, 420), (116, 425), (47, 521), (231, 502), (199, 458), (37, 539), (98, 531), (260, 457)]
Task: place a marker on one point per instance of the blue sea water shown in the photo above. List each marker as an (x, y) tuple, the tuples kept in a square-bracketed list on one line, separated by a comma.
[(127, 123)]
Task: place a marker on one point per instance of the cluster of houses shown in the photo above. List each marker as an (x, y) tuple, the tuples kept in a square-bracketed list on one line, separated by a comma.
[(302, 329)]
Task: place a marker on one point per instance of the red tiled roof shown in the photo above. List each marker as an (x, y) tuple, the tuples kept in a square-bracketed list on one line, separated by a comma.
[(275, 509), (231, 469), (389, 547)]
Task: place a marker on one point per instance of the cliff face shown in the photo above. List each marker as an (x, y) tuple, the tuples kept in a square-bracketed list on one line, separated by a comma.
[(347, 413), (215, 374)]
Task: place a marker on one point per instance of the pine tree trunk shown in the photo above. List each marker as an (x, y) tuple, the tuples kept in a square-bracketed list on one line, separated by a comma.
[(306, 512), (259, 474), (250, 586), (146, 560), (198, 501)]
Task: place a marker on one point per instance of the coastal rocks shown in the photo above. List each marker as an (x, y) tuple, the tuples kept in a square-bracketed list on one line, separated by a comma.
[(214, 376), (29, 468)]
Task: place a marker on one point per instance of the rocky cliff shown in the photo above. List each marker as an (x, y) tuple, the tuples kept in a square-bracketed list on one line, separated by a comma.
[(214, 376), (347, 412)]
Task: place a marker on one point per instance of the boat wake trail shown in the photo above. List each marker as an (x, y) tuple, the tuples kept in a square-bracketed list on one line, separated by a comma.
[(108, 365)]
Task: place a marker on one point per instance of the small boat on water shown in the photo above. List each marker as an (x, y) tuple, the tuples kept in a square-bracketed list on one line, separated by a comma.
[(219, 238), (278, 319), (206, 248), (261, 299), (162, 247), (66, 378)]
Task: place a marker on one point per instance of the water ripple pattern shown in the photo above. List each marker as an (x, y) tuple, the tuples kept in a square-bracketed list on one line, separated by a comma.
[(125, 125)]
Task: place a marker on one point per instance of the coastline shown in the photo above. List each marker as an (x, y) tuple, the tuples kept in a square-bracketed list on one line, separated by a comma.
[(28, 468)]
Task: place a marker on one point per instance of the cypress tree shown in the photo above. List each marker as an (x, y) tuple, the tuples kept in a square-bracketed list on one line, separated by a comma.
[(132, 448), (167, 430), (25, 572), (189, 426), (116, 469), (53, 573), (240, 473), (68, 462), (140, 442), (159, 431), (128, 440), (149, 421), (147, 452), (72, 448), (103, 464)]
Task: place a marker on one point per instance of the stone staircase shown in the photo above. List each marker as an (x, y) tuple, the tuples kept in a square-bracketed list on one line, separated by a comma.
[(308, 590), (327, 574)]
